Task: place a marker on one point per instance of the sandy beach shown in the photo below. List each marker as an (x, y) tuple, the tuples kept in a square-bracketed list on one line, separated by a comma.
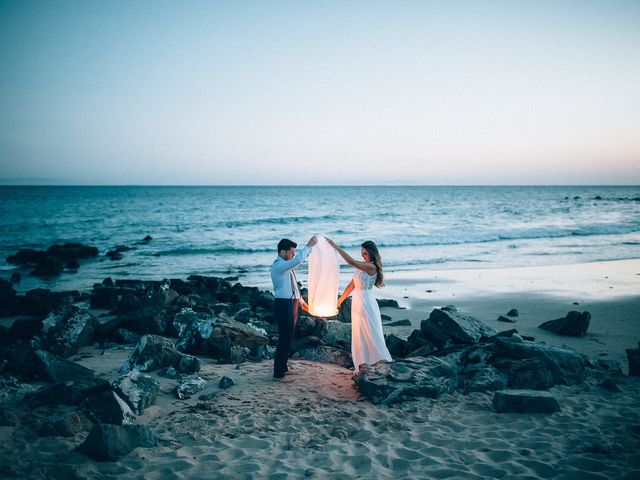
[(314, 424)]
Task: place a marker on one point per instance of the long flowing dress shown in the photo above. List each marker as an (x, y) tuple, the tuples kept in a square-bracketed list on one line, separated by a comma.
[(367, 339)]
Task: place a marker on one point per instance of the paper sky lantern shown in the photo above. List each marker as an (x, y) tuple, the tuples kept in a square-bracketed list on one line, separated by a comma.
[(323, 280)]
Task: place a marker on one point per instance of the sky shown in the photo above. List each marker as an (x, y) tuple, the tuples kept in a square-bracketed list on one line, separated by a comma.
[(320, 92)]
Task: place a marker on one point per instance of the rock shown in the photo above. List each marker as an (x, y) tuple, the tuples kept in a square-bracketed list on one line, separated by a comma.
[(222, 338), (190, 387), (344, 312), (386, 383), (382, 303), (137, 390), (49, 267), (502, 318), (154, 352), (486, 380), (66, 425), (112, 442), (423, 351), (444, 327), (397, 347), (610, 385), (108, 407), (71, 251), (7, 297), (114, 255), (72, 265), (41, 301), (68, 329), (124, 336), (15, 277), (337, 334), (226, 382), (309, 326), (524, 401), (324, 354), (399, 323), (575, 324), (513, 312), (144, 310), (536, 366), (25, 328), (633, 357)]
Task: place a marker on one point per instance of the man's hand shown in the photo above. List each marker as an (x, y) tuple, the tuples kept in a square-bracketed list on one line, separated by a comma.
[(312, 241), (304, 307)]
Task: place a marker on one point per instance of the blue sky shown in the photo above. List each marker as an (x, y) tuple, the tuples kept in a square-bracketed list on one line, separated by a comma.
[(152, 92)]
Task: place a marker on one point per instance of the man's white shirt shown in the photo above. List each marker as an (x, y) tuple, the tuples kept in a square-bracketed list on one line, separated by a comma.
[(282, 276)]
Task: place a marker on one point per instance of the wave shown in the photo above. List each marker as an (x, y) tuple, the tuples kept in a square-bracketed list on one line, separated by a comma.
[(278, 221)]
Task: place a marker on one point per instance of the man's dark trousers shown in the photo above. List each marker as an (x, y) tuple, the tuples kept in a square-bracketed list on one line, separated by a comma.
[(286, 313)]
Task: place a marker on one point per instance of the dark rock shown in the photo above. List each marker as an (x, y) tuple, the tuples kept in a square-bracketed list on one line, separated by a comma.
[(66, 425), (386, 383), (190, 387), (502, 318), (486, 380), (633, 356), (445, 327), (337, 334), (524, 401), (27, 256), (71, 251), (222, 338), (112, 442), (325, 354), (536, 366), (575, 324), (144, 311), (114, 255), (154, 352), (72, 265), (7, 297), (417, 340), (49, 267), (610, 385), (399, 323), (124, 336), (307, 326), (137, 390), (226, 382), (15, 277), (449, 308), (108, 407), (64, 332), (108, 282), (382, 303), (148, 238), (397, 347), (42, 301), (513, 312), (25, 328), (423, 351)]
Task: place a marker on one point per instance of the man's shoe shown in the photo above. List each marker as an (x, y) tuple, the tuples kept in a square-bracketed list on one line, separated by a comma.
[(278, 376)]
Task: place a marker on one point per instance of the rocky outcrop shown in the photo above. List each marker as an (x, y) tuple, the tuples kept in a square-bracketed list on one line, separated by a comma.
[(154, 352), (68, 329), (524, 401), (112, 442), (54, 260), (137, 390), (575, 324), (446, 327)]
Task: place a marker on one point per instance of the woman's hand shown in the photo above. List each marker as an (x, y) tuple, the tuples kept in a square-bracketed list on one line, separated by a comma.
[(331, 242), (305, 307)]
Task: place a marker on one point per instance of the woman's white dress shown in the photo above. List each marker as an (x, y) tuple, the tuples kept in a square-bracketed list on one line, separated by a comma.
[(367, 339)]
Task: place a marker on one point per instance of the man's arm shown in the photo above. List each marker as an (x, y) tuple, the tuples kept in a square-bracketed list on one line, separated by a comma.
[(286, 265)]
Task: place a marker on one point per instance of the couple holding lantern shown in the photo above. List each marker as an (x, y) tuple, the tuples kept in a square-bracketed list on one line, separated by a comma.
[(367, 339)]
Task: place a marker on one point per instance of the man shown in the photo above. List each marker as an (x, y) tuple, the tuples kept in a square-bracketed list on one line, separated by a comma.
[(288, 301)]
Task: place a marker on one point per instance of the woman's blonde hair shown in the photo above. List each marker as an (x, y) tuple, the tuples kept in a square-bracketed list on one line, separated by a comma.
[(372, 248)]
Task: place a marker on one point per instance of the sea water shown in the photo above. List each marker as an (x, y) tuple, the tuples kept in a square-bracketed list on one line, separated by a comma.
[(233, 231)]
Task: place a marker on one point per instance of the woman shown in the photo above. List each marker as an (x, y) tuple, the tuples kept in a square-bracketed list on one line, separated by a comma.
[(367, 339)]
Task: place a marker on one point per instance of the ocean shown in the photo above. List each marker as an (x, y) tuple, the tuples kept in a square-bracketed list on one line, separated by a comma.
[(233, 231)]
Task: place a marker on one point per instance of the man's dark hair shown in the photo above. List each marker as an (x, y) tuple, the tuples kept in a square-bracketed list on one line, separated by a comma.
[(286, 244)]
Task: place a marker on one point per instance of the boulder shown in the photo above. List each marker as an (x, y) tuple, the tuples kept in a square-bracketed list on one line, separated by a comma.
[(190, 387), (536, 366), (524, 401), (154, 352), (42, 301), (399, 323), (324, 354), (633, 356), (108, 407), (445, 327), (7, 297), (104, 297), (502, 318), (575, 324), (226, 382), (513, 312), (222, 338), (397, 347), (486, 380), (386, 383), (25, 328), (66, 425), (112, 442), (337, 334), (137, 390), (68, 329), (382, 303), (15, 277), (309, 326), (145, 311)]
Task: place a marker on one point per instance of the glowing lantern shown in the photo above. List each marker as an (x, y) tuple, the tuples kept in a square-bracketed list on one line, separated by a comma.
[(323, 280)]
